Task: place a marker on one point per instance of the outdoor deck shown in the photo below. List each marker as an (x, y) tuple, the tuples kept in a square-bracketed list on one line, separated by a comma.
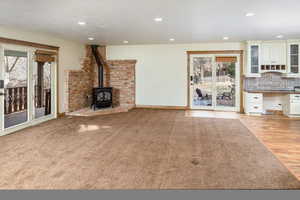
[(16, 107), (21, 117)]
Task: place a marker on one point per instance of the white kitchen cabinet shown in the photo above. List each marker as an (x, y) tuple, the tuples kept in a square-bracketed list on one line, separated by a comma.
[(253, 103), (291, 106), (265, 54), (273, 56), (273, 53), (253, 59), (293, 58)]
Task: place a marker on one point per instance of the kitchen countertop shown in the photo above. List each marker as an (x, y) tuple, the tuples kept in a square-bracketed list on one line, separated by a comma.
[(273, 91)]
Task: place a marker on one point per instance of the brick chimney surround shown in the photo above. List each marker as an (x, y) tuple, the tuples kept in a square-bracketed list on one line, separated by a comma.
[(119, 74)]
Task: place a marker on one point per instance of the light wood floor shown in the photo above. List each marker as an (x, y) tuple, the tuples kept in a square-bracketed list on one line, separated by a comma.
[(280, 134)]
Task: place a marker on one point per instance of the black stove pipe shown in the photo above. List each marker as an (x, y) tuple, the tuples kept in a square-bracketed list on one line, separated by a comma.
[(99, 64)]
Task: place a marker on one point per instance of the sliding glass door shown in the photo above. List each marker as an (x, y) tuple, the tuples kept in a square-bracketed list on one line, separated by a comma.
[(27, 88), (214, 82), (202, 81)]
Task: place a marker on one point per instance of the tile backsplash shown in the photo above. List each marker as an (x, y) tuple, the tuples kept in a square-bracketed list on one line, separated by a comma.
[(271, 81)]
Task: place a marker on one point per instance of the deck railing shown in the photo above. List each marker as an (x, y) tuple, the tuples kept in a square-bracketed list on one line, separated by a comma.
[(16, 99)]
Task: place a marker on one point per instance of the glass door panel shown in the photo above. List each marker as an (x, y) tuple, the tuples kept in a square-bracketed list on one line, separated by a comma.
[(202, 82), (15, 87), (294, 58), (42, 89), (225, 84), (254, 59)]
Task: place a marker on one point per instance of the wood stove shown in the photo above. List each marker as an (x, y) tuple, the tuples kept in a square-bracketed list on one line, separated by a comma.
[(102, 96)]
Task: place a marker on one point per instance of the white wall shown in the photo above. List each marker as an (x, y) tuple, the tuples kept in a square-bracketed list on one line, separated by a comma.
[(161, 71), (70, 53)]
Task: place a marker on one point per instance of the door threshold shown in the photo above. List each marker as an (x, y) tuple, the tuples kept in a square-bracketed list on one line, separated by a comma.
[(212, 114)]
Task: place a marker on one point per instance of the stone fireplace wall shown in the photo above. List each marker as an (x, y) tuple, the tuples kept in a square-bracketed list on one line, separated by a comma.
[(119, 74)]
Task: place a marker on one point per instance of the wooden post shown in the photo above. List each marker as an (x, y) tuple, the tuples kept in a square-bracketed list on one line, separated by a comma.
[(10, 100), (21, 98), (48, 102), (15, 99), (25, 98), (5, 102), (40, 84)]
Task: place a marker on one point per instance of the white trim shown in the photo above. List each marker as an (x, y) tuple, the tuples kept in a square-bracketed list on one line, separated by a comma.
[(1, 90), (30, 90), (54, 79)]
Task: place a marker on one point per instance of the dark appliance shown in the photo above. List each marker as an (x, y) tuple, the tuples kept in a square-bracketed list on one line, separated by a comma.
[(102, 96)]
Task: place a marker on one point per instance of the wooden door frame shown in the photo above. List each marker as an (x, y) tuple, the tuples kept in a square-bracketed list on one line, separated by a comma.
[(240, 52), (53, 49)]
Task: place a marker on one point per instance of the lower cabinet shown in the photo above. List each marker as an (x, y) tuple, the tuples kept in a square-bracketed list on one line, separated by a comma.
[(291, 106), (253, 103)]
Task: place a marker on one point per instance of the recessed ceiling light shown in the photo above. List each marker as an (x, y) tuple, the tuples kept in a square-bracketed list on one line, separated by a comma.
[(158, 19), (82, 23), (172, 39), (250, 14), (91, 38), (225, 38), (125, 42), (279, 36)]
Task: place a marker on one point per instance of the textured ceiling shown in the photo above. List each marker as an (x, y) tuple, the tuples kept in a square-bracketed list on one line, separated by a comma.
[(187, 21)]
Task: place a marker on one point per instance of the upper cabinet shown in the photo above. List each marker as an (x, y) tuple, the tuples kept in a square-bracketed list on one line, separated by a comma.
[(273, 56), (293, 58), (253, 59), (273, 53)]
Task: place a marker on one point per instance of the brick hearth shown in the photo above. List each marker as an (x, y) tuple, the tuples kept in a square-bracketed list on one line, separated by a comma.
[(88, 112)]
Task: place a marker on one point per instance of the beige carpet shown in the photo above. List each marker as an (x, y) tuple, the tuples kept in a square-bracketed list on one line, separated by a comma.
[(141, 149)]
